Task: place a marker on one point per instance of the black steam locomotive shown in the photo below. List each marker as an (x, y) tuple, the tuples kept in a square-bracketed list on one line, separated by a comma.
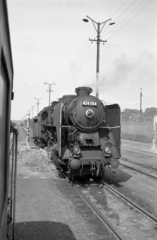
[(82, 132)]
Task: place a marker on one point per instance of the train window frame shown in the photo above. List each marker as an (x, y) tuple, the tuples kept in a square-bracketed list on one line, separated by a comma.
[(4, 77)]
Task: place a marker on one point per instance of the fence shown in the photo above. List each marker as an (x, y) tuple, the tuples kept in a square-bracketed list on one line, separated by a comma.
[(142, 132)]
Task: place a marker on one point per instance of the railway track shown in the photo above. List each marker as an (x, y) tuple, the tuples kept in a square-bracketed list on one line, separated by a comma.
[(140, 171), (102, 214), (140, 164), (147, 152), (95, 210), (123, 197), (130, 205), (98, 213), (144, 169)]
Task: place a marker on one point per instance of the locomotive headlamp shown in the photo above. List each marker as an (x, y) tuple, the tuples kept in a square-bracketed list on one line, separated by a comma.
[(76, 150), (107, 149)]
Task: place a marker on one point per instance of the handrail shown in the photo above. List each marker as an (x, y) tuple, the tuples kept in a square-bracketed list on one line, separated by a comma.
[(13, 162), (11, 141)]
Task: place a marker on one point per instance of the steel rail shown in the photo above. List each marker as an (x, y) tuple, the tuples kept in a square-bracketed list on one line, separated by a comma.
[(137, 163), (95, 210), (142, 152), (147, 174), (142, 210), (98, 213)]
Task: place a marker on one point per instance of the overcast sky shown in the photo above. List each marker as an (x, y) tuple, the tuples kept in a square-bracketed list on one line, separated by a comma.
[(50, 42)]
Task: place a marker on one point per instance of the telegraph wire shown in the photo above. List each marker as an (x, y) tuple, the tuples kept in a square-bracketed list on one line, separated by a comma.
[(130, 19), (125, 10), (88, 57), (81, 58), (79, 62), (121, 14), (67, 69), (85, 45), (84, 52), (76, 59), (127, 22), (118, 8), (112, 30)]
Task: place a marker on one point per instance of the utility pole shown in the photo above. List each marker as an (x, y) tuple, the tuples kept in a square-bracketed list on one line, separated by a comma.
[(49, 85), (32, 109), (28, 135), (38, 99), (141, 104), (98, 41)]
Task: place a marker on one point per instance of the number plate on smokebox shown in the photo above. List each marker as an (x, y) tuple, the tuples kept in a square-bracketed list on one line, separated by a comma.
[(86, 103)]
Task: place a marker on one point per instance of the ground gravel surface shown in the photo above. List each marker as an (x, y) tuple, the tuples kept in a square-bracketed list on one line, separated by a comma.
[(43, 210)]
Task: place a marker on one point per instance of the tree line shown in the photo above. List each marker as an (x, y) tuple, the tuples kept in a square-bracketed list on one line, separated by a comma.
[(133, 115)]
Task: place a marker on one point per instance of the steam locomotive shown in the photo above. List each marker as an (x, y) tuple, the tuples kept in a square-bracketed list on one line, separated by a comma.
[(7, 132), (82, 132)]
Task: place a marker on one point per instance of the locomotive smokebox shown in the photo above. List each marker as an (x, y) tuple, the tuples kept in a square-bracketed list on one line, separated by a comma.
[(83, 91)]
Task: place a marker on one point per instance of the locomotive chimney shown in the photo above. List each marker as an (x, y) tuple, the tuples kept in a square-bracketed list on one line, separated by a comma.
[(54, 103), (83, 91)]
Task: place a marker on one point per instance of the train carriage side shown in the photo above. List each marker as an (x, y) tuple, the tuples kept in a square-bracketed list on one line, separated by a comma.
[(6, 85)]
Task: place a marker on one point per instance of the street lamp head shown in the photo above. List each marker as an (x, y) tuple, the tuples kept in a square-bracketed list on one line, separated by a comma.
[(85, 20), (112, 23)]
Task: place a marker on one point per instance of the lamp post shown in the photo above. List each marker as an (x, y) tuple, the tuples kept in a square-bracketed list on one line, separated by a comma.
[(141, 90), (38, 99), (98, 28), (49, 85)]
